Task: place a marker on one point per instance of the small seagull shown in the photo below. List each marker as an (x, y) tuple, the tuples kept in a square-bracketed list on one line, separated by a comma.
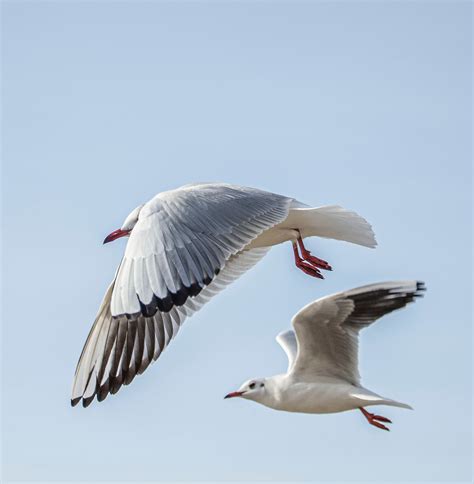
[(322, 351), (185, 246)]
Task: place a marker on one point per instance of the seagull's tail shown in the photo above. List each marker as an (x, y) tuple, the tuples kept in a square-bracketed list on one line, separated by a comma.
[(394, 403), (366, 397), (334, 222)]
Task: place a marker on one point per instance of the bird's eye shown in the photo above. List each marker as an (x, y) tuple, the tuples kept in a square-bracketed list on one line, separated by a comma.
[(252, 386)]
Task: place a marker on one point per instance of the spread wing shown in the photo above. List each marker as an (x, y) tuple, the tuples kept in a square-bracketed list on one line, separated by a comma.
[(183, 239), (327, 330), (287, 340), (119, 348)]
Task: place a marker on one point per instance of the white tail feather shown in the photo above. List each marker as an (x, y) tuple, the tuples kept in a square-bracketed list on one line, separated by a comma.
[(367, 398), (394, 403), (334, 222)]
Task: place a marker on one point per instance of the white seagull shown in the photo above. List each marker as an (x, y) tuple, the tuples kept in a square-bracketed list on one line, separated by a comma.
[(323, 375), (184, 246)]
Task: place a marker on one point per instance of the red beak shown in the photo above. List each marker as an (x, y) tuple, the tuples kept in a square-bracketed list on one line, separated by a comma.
[(116, 234), (234, 394)]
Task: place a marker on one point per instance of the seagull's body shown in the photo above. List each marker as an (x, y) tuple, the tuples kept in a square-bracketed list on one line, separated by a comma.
[(323, 395), (186, 245), (322, 352)]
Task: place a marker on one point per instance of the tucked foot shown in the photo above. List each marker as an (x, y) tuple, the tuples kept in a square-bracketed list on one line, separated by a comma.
[(309, 269), (375, 419), (381, 419), (305, 266), (313, 260)]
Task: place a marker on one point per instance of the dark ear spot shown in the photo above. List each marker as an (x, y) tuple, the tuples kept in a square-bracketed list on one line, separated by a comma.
[(261, 385)]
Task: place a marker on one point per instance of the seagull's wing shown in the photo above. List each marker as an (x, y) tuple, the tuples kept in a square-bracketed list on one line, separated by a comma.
[(287, 340), (183, 238), (327, 330), (119, 348)]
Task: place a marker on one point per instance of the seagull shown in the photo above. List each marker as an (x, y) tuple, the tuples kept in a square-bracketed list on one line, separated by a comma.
[(184, 246), (322, 351)]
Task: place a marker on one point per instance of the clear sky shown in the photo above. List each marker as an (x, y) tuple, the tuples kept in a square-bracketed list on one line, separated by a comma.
[(366, 105)]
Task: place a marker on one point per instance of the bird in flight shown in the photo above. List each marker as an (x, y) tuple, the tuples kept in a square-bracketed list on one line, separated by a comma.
[(184, 246), (322, 351)]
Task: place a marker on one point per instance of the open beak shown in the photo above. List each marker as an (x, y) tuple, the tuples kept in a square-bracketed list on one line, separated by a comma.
[(234, 394), (116, 234)]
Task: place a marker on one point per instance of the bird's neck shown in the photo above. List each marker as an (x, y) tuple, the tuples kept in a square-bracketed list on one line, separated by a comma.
[(275, 387)]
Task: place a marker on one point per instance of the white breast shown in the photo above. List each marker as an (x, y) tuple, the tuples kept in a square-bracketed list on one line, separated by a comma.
[(323, 397), (274, 236)]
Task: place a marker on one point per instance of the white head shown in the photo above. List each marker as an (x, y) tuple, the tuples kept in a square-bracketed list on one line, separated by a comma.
[(251, 390), (127, 226)]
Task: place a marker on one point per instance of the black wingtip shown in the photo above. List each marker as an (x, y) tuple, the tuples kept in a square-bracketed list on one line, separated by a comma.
[(75, 401), (420, 289), (115, 385), (103, 392), (87, 401), (420, 286)]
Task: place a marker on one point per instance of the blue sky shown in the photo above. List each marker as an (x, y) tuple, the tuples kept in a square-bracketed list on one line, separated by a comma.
[(366, 105)]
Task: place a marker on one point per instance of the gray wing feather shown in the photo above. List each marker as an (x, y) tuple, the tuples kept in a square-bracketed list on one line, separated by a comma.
[(287, 340), (182, 240), (327, 330), (119, 348)]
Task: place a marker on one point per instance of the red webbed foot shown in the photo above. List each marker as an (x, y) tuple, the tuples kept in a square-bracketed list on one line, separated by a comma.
[(375, 419), (316, 261), (308, 263)]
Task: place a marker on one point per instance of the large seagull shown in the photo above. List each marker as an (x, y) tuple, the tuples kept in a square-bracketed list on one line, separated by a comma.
[(186, 245)]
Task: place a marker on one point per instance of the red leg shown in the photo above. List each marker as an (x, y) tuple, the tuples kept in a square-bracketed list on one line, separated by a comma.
[(375, 419), (316, 261), (305, 266)]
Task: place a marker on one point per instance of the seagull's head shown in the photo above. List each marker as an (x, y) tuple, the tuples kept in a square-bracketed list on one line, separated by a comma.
[(127, 226), (251, 390)]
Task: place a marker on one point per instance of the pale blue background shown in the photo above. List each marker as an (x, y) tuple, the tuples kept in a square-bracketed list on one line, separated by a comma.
[(363, 104)]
